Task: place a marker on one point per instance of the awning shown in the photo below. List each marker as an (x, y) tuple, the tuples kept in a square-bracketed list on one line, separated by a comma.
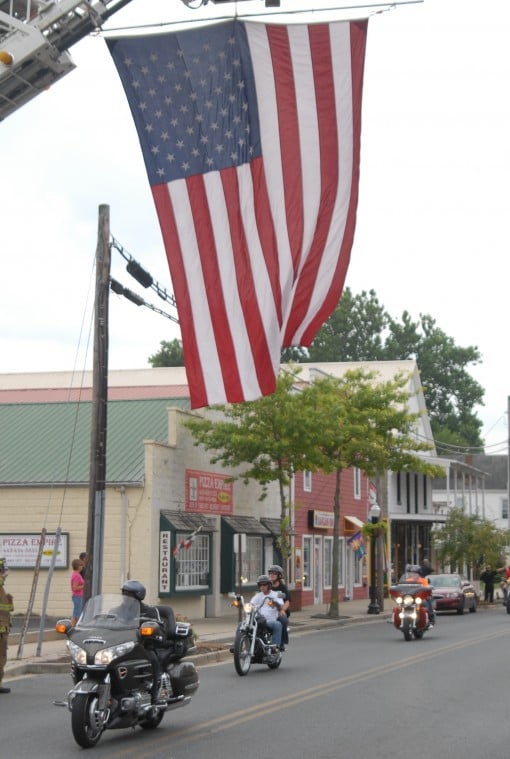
[(358, 524), (246, 525), (183, 521)]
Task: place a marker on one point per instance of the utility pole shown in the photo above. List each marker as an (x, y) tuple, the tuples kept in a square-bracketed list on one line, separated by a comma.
[(95, 526)]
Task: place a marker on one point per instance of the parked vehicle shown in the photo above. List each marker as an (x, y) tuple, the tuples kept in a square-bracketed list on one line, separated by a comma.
[(112, 649), (453, 593), (252, 642), (410, 612)]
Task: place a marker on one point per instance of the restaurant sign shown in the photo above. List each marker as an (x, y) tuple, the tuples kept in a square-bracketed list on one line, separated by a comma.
[(20, 549)]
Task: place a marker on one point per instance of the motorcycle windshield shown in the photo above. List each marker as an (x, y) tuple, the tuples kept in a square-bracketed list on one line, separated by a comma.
[(111, 611)]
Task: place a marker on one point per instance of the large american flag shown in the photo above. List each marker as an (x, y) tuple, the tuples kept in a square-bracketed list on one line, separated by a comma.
[(250, 135)]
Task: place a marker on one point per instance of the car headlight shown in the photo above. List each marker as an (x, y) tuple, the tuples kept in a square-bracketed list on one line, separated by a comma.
[(107, 655), (78, 654)]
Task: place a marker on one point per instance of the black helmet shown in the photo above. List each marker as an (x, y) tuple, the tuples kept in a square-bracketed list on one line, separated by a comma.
[(134, 589), (276, 569), (264, 580)]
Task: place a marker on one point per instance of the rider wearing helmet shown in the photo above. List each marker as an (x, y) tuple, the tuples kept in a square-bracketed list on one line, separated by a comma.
[(414, 574), (270, 612), (6, 607), (275, 573)]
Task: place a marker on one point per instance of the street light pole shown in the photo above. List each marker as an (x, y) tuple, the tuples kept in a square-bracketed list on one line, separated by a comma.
[(373, 514)]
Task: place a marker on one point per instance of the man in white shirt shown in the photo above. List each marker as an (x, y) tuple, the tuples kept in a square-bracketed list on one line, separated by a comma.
[(270, 609)]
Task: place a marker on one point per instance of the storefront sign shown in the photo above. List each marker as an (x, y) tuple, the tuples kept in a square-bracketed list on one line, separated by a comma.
[(21, 549), (320, 520), (209, 493), (164, 561)]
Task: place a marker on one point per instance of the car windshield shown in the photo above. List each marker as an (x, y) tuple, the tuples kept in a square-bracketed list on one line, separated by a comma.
[(444, 581), (111, 611)]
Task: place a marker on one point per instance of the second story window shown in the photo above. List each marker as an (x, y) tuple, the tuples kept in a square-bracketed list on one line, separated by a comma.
[(357, 482), (307, 481)]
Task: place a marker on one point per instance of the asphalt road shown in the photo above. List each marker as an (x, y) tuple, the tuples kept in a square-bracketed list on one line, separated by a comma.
[(360, 690)]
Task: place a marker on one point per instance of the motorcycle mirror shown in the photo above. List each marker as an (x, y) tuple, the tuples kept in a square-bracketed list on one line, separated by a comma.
[(63, 626), (148, 629)]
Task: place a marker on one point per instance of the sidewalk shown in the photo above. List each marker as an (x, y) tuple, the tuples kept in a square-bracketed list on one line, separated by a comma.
[(213, 634)]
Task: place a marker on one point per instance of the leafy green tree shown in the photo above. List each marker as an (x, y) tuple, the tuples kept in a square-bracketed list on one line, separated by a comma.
[(170, 354), (329, 425), (270, 435), (361, 422), (467, 540), (354, 331), (360, 329)]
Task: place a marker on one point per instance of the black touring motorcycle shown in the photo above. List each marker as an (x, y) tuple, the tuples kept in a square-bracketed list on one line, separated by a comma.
[(112, 652)]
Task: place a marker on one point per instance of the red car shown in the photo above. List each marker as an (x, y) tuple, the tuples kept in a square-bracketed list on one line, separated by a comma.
[(453, 593)]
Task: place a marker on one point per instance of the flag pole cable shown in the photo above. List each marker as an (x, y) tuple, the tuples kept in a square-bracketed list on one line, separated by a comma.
[(379, 8)]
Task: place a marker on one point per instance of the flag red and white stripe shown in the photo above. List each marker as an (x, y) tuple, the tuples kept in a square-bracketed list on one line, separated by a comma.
[(259, 249)]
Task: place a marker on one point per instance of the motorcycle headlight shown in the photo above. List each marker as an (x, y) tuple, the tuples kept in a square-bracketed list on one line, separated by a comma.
[(78, 654), (419, 601), (399, 599), (248, 607), (107, 655), (408, 600)]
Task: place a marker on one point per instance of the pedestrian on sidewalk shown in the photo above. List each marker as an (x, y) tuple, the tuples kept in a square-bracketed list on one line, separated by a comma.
[(77, 589), (6, 608), (488, 578), (83, 557)]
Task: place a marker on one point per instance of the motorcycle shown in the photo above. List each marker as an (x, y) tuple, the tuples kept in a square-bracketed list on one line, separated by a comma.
[(112, 649), (252, 642), (410, 612)]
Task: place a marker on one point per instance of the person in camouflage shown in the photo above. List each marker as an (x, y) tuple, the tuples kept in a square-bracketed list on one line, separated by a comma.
[(6, 607)]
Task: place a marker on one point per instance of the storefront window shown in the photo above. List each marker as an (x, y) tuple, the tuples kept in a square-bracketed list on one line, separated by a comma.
[(252, 559), (307, 562), (341, 562), (192, 564), (328, 561)]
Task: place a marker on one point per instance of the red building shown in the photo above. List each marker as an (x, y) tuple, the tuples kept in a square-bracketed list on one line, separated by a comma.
[(312, 559)]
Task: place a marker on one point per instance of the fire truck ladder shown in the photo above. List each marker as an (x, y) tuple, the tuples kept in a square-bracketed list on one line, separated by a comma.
[(34, 39)]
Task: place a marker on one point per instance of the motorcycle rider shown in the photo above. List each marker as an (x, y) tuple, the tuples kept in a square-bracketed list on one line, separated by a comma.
[(270, 611), (275, 573), (135, 589), (414, 574), (6, 607)]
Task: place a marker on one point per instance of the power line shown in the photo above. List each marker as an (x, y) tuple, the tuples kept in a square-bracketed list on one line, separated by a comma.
[(143, 277)]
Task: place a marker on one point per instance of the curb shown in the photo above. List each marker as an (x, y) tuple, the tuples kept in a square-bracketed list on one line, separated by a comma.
[(221, 653)]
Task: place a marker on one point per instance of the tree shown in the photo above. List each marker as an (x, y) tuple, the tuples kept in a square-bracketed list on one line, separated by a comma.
[(329, 425), (170, 354), (467, 540), (361, 422), (353, 332), (269, 435), (360, 329)]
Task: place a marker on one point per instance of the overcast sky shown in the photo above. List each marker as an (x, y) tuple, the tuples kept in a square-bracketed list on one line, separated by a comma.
[(432, 234)]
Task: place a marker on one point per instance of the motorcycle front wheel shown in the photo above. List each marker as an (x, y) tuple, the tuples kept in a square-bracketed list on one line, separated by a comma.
[(242, 655), (84, 722), (407, 629)]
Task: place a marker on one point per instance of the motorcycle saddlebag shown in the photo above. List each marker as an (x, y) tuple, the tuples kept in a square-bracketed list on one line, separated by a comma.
[(184, 679)]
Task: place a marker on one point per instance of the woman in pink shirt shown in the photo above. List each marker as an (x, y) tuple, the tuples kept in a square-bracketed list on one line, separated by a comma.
[(77, 585)]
